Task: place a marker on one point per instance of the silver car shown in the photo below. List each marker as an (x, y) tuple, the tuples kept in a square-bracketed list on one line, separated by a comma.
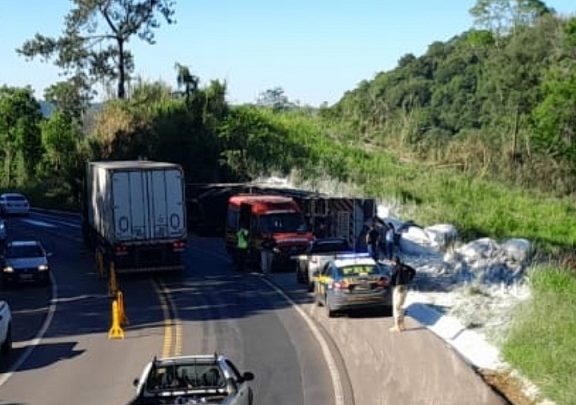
[(24, 261), (198, 379), (14, 204)]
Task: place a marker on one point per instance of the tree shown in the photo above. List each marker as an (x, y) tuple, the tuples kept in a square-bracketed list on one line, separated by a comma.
[(186, 79), (20, 116), (275, 99), (71, 96), (96, 35), (502, 17)]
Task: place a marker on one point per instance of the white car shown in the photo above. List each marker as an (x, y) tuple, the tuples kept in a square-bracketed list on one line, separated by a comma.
[(14, 204), (5, 328), (198, 379)]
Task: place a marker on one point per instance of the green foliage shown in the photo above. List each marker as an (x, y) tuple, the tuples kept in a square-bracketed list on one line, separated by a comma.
[(96, 34), (543, 335), (20, 116)]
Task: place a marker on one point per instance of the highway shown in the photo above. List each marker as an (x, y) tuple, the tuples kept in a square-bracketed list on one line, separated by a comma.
[(269, 326)]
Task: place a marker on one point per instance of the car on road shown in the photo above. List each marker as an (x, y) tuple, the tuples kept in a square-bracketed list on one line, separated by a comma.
[(14, 204), (25, 261), (319, 252), (196, 379), (5, 328), (353, 281)]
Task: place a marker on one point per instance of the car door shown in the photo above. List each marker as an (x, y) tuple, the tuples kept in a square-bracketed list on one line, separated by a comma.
[(244, 394)]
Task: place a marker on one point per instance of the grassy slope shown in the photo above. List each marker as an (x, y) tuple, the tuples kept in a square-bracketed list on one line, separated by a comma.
[(542, 342)]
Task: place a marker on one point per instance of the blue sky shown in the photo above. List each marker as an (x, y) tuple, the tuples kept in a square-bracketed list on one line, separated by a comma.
[(315, 50)]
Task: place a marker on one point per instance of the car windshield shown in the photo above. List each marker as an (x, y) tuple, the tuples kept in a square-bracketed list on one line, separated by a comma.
[(185, 376), (285, 222), (332, 246), (24, 251), (16, 198), (359, 270)]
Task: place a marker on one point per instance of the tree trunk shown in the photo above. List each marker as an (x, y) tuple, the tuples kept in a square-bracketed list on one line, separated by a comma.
[(121, 70)]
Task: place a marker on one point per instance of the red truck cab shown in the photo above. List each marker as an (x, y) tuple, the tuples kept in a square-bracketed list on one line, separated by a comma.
[(267, 216)]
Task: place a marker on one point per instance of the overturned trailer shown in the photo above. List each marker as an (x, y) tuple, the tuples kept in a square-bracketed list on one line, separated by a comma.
[(325, 216)]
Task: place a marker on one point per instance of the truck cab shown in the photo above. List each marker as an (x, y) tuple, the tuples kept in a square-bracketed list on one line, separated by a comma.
[(267, 216)]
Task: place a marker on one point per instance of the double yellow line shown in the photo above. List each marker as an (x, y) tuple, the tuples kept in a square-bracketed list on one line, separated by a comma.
[(172, 345)]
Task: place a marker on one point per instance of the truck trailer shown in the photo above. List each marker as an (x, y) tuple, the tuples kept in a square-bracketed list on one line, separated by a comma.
[(134, 215)]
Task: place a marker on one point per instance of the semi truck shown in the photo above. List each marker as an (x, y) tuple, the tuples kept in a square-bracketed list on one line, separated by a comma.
[(134, 215)]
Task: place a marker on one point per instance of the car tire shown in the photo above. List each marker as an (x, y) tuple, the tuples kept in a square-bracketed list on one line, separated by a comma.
[(7, 345)]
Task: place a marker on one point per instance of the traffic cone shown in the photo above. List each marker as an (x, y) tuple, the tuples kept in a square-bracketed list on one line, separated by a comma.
[(115, 331)]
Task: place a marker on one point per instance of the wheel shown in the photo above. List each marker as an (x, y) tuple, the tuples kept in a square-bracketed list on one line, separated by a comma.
[(7, 345)]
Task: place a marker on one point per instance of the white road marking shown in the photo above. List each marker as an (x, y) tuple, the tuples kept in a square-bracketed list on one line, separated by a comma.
[(31, 345), (39, 223), (330, 361)]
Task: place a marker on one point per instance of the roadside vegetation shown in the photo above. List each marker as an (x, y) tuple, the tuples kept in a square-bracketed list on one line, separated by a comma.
[(480, 132)]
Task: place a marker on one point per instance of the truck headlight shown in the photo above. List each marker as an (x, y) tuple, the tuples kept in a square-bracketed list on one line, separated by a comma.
[(8, 269), (43, 267)]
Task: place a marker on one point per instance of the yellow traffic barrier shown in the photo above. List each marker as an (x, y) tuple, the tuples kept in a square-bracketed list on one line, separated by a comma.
[(112, 281), (116, 331), (123, 318)]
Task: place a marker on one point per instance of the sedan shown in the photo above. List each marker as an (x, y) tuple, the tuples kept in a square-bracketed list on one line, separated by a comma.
[(25, 261), (14, 204), (353, 281), (197, 379)]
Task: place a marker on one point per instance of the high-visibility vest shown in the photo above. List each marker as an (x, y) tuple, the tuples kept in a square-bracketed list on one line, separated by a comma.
[(242, 238)]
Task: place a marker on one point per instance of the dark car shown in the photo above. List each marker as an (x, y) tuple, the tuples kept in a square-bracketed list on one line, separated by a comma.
[(353, 281), (197, 379), (25, 261)]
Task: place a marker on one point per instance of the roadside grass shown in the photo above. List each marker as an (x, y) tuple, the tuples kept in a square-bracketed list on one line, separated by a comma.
[(541, 341)]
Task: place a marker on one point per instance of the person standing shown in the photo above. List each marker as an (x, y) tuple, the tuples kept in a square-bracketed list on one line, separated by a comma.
[(373, 242), (402, 275), (267, 255), (389, 242), (242, 236)]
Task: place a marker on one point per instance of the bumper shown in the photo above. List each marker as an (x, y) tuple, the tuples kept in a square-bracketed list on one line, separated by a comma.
[(340, 300), (17, 277)]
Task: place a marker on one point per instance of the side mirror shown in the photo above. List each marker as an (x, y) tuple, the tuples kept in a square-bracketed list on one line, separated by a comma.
[(135, 382), (248, 376)]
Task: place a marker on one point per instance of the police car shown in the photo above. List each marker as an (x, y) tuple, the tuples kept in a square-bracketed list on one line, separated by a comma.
[(352, 281)]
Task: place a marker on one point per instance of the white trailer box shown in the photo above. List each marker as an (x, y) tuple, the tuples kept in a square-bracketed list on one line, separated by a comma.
[(136, 201)]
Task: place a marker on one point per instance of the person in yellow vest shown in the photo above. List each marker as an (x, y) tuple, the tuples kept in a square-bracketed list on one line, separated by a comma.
[(242, 242)]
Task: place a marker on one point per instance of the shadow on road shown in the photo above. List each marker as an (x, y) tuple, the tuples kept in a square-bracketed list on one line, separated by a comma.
[(45, 355)]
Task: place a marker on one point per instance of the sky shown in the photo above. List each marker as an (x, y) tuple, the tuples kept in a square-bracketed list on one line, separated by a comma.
[(315, 50)]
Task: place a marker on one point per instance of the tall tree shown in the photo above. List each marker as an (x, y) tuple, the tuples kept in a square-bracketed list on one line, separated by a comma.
[(71, 96), (20, 144), (185, 79), (96, 34)]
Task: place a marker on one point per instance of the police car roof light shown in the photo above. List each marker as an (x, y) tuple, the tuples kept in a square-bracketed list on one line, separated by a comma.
[(352, 255)]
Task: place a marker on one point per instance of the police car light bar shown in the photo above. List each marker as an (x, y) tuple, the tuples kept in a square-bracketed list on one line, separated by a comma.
[(352, 255)]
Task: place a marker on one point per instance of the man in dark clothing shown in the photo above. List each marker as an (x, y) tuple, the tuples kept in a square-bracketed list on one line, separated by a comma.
[(373, 242), (267, 254), (401, 276)]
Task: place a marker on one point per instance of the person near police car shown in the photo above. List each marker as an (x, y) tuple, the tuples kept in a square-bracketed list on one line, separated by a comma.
[(267, 254), (401, 276), (242, 242)]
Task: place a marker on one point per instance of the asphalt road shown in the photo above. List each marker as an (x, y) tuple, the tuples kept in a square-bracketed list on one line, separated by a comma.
[(269, 326)]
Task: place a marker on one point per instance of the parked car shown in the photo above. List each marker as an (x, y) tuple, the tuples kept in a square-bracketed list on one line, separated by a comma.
[(5, 328), (353, 281), (25, 261), (198, 379), (318, 253), (14, 204)]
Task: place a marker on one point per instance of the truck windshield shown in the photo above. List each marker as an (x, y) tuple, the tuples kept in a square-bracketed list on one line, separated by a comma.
[(286, 222)]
